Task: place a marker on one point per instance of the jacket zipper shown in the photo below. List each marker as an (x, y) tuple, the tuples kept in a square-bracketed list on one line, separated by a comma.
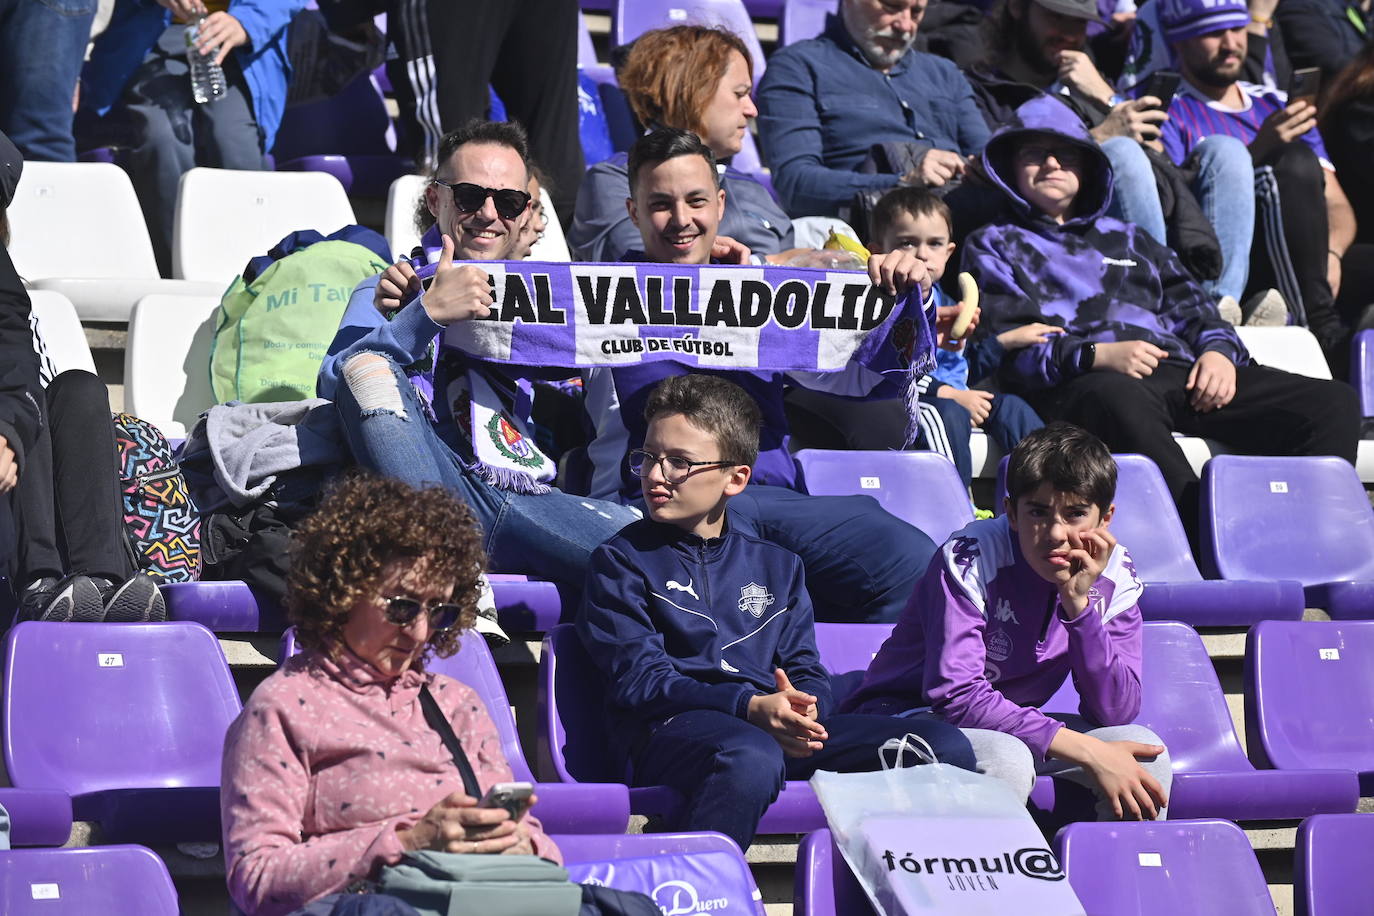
[(705, 579)]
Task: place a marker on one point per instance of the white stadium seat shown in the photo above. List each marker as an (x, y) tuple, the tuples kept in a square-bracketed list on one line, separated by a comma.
[(1291, 349), (554, 245), (63, 338), (77, 230), (167, 361), (226, 217)]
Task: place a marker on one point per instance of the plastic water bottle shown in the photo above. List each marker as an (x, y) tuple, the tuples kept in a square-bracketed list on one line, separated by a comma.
[(207, 77)]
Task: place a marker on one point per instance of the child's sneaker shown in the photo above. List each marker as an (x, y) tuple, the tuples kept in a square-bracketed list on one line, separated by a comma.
[(75, 598), (1267, 309), (34, 599), (138, 600), (1229, 309)]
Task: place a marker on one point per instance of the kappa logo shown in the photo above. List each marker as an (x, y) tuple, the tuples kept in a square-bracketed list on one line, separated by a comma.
[(680, 898), (1004, 612), (674, 586), (755, 599)]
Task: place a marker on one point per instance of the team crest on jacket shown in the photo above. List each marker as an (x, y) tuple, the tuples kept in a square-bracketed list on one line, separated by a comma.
[(755, 599)]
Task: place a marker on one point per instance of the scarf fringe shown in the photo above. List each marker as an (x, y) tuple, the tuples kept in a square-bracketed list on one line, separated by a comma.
[(507, 479)]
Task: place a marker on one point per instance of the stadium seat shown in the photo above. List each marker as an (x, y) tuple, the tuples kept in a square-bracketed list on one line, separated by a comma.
[(1331, 873), (1182, 702), (110, 880), (1292, 349), (584, 808), (823, 884), (554, 245), (226, 217), (683, 872), (61, 331), (1309, 696), (128, 719), (922, 488), (103, 266), (574, 743), (847, 649), (586, 51), (230, 606), (167, 361), (1362, 370), (1147, 522), (348, 135), (1292, 518), (401, 202), (38, 817), (1144, 868), (632, 18), (803, 19)]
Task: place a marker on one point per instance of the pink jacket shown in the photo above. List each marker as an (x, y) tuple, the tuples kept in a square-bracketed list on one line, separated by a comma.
[(323, 766)]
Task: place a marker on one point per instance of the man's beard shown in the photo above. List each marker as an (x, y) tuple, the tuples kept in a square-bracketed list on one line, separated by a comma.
[(1210, 74), (1031, 49), (876, 55)]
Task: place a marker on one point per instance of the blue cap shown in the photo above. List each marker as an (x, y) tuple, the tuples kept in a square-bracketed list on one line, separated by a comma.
[(1182, 19)]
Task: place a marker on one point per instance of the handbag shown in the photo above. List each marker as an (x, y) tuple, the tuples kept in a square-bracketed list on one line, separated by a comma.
[(940, 839)]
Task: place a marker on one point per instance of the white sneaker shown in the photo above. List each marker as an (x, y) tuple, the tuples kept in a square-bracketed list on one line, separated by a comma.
[(1267, 309), (1229, 309)]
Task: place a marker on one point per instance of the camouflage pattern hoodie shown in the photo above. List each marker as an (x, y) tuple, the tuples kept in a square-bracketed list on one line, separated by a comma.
[(1100, 279)]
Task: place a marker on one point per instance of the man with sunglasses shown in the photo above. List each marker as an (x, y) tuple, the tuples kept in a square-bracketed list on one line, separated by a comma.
[(416, 413), (1144, 351)]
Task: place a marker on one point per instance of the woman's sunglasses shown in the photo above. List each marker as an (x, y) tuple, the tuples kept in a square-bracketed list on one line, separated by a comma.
[(469, 198), (402, 612)]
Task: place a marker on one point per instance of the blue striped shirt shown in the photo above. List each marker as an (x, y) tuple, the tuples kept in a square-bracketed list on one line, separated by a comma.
[(1193, 116)]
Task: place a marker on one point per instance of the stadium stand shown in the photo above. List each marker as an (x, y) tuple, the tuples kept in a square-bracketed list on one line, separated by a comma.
[(803, 19), (922, 488), (1331, 873), (633, 18), (115, 880), (824, 885), (1201, 867), (38, 817), (167, 361), (349, 136), (60, 329)]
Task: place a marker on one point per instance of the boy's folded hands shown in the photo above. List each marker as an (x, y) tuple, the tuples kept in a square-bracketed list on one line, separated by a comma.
[(789, 715)]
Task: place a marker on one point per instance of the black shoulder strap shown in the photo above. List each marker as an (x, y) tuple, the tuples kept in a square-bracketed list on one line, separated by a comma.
[(435, 717)]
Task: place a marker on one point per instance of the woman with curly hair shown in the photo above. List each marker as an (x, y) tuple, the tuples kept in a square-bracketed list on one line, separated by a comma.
[(331, 771)]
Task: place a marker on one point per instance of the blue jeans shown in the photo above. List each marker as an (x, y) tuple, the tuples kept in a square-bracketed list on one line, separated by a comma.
[(549, 535), (1224, 186), (730, 771), (1010, 420), (1135, 195), (42, 43), (861, 561)]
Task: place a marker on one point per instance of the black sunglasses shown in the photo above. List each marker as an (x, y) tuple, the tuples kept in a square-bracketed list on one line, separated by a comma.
[(469, 198), (402, 611)]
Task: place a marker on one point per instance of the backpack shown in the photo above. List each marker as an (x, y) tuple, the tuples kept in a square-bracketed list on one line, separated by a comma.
[(160, 517), (277, 320)]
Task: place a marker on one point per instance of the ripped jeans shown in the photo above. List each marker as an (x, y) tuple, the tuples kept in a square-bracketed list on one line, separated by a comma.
[(549, 535)]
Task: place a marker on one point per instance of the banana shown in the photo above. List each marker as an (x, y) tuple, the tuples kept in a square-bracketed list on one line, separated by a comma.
[(968, 304), (837, 242)]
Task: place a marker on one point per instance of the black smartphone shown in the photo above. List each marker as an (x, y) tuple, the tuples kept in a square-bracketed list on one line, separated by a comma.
[(1162, 84), (513, 796), (1306, 83)]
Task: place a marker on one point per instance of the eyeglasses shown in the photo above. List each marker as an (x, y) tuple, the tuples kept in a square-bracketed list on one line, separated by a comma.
[(402, 611), (469, 198), (1067, 156), (675, 468)]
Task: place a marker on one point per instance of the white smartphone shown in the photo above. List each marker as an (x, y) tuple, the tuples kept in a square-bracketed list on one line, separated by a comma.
[(513, 796)]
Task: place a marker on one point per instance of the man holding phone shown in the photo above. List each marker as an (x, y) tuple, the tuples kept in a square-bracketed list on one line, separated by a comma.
[(1299, 253)]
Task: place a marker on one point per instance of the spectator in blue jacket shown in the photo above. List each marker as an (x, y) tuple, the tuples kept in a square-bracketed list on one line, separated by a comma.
[(705, 633), (825, 103), (138, 68)]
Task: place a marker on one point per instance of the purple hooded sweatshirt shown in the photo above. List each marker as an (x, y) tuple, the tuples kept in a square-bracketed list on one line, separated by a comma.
[(1100, 279), (983, 642)]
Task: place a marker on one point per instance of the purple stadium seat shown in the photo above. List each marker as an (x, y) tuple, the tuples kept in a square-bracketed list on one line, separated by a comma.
[(1362, 370), (1331, 873), (584, 808), (38, 817), (1292, 518), (922, 488), (110, 880), (1309, 696), (632, 18), (847, 649), (823, 885), (803, 19), (348, 135), (683, 872), (1147, 522), (128, 719), (586, 51), (1183, 703), (1183, 868), (574, 744)]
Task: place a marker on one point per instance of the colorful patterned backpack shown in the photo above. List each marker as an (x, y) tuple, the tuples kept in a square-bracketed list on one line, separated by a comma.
[(162, 521)]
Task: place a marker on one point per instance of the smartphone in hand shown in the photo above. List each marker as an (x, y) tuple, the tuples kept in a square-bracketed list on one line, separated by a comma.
[(513, 796), (1162, 84), (1306, 83)]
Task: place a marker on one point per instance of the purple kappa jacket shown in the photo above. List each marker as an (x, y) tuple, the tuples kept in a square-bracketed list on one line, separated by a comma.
[(984, 643), (1100, 279)]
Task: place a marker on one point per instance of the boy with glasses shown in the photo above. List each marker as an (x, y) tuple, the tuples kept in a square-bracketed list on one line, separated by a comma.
[(705, 632)]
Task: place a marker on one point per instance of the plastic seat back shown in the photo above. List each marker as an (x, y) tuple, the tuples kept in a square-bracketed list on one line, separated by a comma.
[(473, 665), (1287, 518), (1331, 873), (1362, 370), (95, 706), (574, 737), (110, 880), (61, 331), (554, 245), (1309, 695), (167, 361), (682, 872), (401, 202), (918, 487), (1147, 522), (1292, 349), (53, 233), (846, 650), (226, 217), (632, 18), (823, 885), (803, 19), (1143, 868), (586, 51)]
